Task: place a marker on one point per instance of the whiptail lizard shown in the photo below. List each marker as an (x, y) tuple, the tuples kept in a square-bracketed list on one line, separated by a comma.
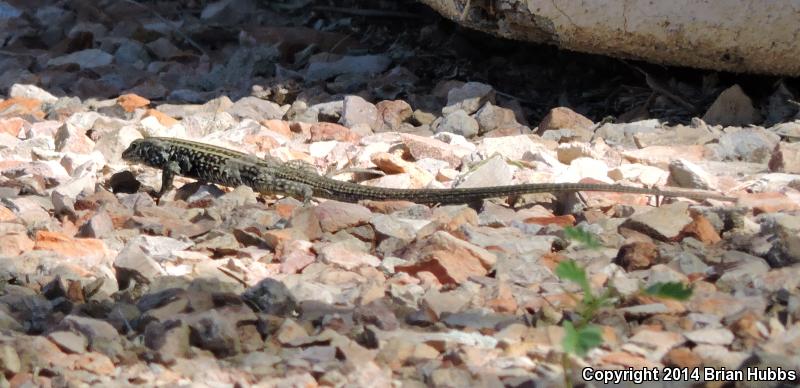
[(223, 166)]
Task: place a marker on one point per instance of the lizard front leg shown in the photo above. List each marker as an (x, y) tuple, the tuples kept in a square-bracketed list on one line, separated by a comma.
[(167, 178)]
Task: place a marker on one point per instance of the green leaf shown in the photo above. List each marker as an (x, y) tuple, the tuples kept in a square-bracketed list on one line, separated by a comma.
[(581, 236), (570, 270), (579, 341), (670, 290)]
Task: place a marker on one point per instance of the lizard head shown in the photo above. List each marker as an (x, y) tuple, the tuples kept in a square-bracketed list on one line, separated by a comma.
[(145, 151)]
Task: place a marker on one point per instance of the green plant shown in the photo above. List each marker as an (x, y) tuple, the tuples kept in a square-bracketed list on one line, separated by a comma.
[(580, 335)]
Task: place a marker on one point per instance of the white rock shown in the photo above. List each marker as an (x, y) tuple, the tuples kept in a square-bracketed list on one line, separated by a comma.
[(31, 91)]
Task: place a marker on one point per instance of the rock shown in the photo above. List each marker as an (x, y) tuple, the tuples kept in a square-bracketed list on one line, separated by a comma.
[(334, 215), (656, 343), (71, 139), (702, 229), (256, 109), (637, 255), (468, 97), (634, 172), (9, 360), (664, 223), (68, 341), (14, 244), (331, 131), (754, 145), (448, 267), (377, 313), (423, 147), (289, 332), (132, 52), (785, 158), (169, 340), (662, 156), (720, 336), (682, 357), (743, 272), (732, 108), (563, 118), (362, 65), (86, 59), (89, 250), (31, 91), (719, 356), (393, 114), (99, 226), (687, 174), (460, 123), (133, 264), (491, 117), (768, 202), (438, 304), (214, 331), (357, 111), (346, 255), (492, 172), (227, 12), (271, 297)]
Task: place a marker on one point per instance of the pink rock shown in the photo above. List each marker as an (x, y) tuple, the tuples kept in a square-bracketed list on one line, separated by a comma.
[(89, 250), (561, 117), (294, 255), (334, 215)]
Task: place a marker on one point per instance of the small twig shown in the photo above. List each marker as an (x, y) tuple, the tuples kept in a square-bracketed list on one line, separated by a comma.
[(367, 12), (658, 88), (233, 276), (171, 24), (507, 95), (464, 13)]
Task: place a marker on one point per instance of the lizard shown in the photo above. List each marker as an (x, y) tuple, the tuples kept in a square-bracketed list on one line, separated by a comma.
[(298, 179)]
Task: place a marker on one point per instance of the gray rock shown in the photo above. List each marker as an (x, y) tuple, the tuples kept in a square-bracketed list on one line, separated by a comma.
[(747, 144), (99, 226), (732, 108), (743, 272), (436, 304), (69, 341), (86, 59), (133, 53), (356, 110), (713, 336), (271, 297), (169, 340), (163, 48), (663, 223), (228, 12), (468, 97), (491, 117), (256, 109), (689, 263), (133, 264), (363, 64), (687, 174), (214, 331), (377, 313), (625, 134), (458, 122)]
